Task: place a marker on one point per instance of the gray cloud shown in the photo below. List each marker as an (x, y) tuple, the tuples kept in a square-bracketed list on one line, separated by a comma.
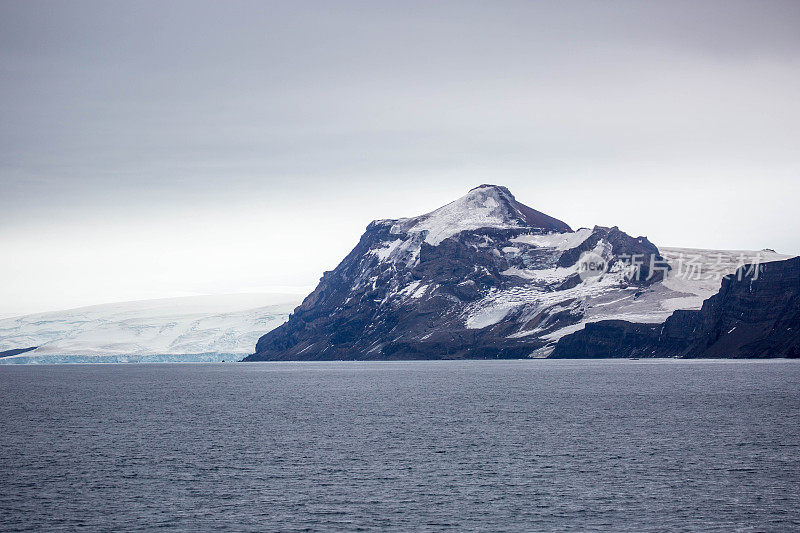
[(119, 113)]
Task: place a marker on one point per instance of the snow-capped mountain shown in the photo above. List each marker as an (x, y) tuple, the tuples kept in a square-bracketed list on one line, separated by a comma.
[(198, 328), (485, 276)]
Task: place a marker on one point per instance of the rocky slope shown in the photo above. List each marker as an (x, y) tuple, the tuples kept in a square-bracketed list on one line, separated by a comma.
[(484, 276), (756, 313)]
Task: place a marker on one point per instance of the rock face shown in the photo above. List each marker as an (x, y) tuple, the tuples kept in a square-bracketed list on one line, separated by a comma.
[(755, 314), (482, 277), (17, 351)]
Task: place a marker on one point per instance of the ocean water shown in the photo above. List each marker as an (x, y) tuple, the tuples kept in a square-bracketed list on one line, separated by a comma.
[(406, 446)]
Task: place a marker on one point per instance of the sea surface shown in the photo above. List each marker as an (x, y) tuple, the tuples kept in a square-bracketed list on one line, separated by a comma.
[(402, 446)]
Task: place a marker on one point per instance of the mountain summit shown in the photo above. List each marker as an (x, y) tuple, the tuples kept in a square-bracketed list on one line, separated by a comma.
[(485, 206), (483, 276)]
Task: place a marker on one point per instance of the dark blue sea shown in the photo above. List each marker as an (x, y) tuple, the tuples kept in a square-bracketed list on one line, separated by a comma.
[(406, 446)]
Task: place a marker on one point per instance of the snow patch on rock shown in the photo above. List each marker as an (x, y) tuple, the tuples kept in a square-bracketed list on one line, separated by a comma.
[(555, 241), (387, 250)]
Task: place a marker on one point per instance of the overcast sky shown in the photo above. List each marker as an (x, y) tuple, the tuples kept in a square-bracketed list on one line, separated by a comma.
[(168, 148)]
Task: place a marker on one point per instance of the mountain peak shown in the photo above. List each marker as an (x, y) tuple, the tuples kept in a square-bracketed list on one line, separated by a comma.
[(499, 188), (485, 206)]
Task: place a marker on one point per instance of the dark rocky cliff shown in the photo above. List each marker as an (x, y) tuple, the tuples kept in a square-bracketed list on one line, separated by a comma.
[(16, 351), (755, 314)]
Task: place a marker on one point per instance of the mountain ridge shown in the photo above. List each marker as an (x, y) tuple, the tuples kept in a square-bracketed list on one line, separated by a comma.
[(755, 314)]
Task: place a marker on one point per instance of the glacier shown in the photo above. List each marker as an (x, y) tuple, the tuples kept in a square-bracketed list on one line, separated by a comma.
[(189, 329)]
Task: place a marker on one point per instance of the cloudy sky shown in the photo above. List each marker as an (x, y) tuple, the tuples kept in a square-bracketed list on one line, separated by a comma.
[(175, 148)]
